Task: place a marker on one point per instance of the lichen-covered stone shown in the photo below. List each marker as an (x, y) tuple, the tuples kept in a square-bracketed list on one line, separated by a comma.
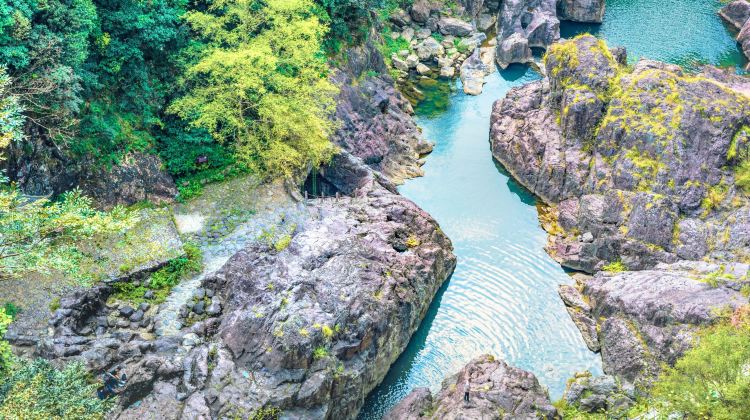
[(655, 147)]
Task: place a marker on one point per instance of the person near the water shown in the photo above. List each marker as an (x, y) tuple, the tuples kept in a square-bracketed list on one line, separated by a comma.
[(466, 390)]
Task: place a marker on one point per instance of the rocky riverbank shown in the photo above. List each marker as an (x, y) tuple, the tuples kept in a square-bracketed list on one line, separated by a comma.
[(307, 323), (638, 165)]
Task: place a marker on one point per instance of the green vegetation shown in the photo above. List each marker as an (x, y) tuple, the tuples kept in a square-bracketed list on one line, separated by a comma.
[(615, 267), (320, 353), (162, 281), (37, 390), (260, 84), (712, 380), (6, 356), (266, 413)]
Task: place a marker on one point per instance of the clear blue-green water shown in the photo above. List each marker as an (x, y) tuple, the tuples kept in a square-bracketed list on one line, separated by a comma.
[(502, 299), (685, 32)]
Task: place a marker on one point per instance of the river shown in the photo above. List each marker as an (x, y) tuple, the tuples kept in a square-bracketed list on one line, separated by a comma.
[(502, 298)]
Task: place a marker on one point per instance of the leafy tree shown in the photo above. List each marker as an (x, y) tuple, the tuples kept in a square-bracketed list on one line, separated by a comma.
[(260, 83), (33, 233), (44, 44)]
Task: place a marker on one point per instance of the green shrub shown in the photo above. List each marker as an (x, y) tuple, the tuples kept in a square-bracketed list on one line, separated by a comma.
[(320, 353), (11, 310), (712, 380), (742, 175), (163, 280), (36, 390), (615, 267), (266, 413), (6, 356)]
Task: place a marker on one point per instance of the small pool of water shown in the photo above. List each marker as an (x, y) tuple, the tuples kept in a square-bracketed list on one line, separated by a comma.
[(502, 298)]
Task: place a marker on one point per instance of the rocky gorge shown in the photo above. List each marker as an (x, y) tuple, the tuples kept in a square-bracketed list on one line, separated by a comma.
[(636, 166)]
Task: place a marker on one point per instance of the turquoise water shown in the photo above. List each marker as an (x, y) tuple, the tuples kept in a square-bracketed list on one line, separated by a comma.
[(685, 32), (502, 297)]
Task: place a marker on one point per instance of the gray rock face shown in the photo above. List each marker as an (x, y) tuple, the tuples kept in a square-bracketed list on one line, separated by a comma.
[(532, 21), (497, 390), (594, 394), (473, 72), (42, 168), (737, 14), (429, 48), (630, 158), (139, 177), (376, 123), (649, 317), (581, 10), (513, 49)]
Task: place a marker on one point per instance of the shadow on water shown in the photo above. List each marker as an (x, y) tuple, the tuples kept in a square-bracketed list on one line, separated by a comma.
[(401, 368), (523, 194)]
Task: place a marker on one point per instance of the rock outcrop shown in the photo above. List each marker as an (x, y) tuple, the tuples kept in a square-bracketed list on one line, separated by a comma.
[(375, 119), (649, 317), (307, 323), (497, 391), (637, 166), (597, 394), (737, 14), (140, 177), (581, 10), (523, 24), (41, 168)]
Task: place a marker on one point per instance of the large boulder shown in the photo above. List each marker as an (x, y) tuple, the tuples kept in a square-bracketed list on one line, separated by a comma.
[(139, 177), (581, 10), (497, 390), (375, 122), (455, 27), (473, 72), (429, 48), (523, 24), (649, 317), (628, 159), (736, 13)]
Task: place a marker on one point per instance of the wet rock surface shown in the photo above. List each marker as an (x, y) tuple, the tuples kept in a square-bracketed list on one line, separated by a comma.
[(638, 166), (497, 390), (649, 317)]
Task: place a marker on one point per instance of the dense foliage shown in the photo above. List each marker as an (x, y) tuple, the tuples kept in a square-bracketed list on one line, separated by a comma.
[(257, 86), (712, 380), (36, 390), (96, 78), (6, 356)]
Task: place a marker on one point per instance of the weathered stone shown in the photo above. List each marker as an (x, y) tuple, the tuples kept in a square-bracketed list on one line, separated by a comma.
[(736, 13), (455, 27), (447, 72), (429, 48), (473, 71), (581, 10), (495, 387), (513, 49)]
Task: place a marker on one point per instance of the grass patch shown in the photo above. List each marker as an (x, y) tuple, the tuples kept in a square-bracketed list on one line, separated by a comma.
[(162, 281)]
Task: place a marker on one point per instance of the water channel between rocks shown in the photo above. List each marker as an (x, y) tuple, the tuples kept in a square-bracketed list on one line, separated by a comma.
[(502, 298)]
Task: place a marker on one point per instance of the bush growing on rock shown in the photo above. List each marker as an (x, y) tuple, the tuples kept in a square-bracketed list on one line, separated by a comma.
[(712, 380)]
